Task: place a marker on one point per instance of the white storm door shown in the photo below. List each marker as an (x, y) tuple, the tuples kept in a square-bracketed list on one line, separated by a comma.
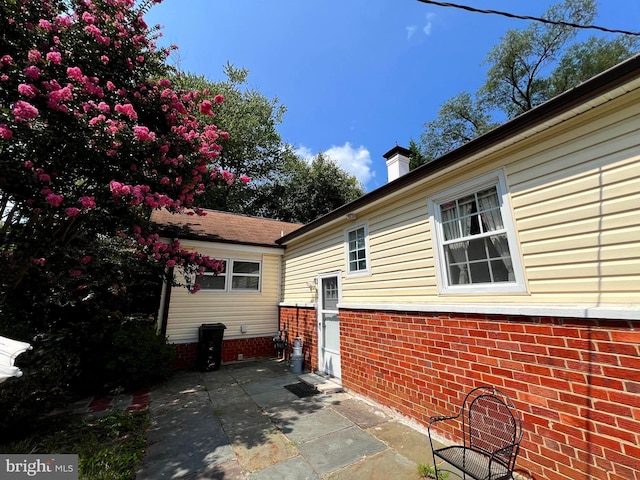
[(329, 325)]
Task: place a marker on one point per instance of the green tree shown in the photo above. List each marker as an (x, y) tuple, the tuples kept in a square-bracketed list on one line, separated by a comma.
[(527, 68), (460, 120), (254, 147), (309, 190), (515, 80), (417, 158)]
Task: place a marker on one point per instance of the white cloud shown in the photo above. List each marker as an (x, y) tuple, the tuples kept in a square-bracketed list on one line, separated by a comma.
[(428, 25), (356, 161), (411, 29), (305, 153)]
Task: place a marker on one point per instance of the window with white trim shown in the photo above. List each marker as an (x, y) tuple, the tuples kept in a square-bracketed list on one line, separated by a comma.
[(357, 250), (475, 244), (243, 276), (214, 282)]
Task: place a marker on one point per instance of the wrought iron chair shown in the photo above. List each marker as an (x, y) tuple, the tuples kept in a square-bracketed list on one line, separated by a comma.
[(491, 434)]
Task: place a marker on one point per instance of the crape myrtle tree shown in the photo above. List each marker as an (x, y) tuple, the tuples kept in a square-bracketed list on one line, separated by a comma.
[(254, 148), (93, 137)]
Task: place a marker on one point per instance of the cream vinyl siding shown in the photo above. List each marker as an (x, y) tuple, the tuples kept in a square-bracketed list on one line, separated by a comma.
[(574, 193), (257, 310), (400, 269)]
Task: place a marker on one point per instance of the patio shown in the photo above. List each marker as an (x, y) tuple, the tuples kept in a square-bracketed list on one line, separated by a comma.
[(241, 423)]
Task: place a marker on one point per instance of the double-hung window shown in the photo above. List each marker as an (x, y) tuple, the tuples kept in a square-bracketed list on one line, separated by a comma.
[(357, 250), (236, 276), (212, 282), (475, 246), (245, 276)]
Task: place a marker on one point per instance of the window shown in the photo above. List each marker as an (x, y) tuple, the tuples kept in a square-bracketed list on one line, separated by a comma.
[(357, 250), (475, 241), (244, 276), (211, 281)]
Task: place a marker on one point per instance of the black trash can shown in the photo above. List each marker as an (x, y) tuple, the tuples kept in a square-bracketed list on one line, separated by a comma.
[(210, 346)]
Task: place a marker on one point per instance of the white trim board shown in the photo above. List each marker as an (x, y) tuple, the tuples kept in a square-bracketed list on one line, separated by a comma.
[(623, 312)]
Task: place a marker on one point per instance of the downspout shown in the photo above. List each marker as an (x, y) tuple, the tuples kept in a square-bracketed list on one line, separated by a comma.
[(165, 299)]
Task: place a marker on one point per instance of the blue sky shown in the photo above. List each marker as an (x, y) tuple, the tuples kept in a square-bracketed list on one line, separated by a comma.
[(356, 76)]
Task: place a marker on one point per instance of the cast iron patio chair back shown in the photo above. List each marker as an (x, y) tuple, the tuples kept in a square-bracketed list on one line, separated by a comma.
[(491, 433)]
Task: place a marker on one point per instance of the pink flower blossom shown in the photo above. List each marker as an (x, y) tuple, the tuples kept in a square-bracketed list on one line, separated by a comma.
[(28, 164), (44, 24), (54, 200), (5, 133), (224, 135), (57, 96), (6, 60), (24, 111), (34, 56), (206, 108), (218, 99), (75, 273), (44, 177), (228, 176), (118, 189), (87, 202), (38, 261), (143, 134), (126, 109), (86, 259), (88, 18), (72, 211), (74, 73), (54, 57), (27, 90), (104, 59), (110, 86), (245, 179), (32, 72), (95, 120), (63, 21), (103, 107)]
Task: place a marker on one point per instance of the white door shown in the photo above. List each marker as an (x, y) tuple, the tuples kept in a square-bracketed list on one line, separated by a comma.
[(329, 325)]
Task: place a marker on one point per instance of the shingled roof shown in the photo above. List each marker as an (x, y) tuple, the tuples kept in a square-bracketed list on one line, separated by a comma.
[(222, 227)]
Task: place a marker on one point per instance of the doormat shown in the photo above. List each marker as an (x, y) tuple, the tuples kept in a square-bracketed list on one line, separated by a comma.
[(302, 390)]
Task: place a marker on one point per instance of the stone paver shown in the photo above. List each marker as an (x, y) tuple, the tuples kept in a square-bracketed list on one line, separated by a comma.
[(240, 423), (344, 447)]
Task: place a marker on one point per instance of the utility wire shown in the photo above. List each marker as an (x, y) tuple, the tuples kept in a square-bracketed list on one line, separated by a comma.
[(526, 17)]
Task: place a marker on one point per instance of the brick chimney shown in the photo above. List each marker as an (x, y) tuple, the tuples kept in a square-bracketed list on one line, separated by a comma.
[(397, 162)]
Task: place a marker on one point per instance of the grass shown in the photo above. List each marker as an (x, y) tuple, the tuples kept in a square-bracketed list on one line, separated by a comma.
[(427, 471), (108, 448)]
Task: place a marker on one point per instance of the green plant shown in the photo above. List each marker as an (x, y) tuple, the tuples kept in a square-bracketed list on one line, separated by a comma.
[(427, 471), (108, 448)]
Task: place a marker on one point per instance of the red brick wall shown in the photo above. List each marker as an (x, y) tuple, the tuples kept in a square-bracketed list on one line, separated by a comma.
[(186, 356), (301, 322), (576, 381), (249, 348), (257, 347)]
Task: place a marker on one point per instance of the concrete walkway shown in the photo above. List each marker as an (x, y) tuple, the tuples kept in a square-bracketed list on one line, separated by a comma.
[(240, 423)]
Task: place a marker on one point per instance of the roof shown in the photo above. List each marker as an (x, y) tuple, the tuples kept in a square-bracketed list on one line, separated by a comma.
[(591, 89), (222, 227)]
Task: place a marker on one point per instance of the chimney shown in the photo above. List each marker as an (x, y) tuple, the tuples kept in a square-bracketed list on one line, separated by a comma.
[(397, 162)]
